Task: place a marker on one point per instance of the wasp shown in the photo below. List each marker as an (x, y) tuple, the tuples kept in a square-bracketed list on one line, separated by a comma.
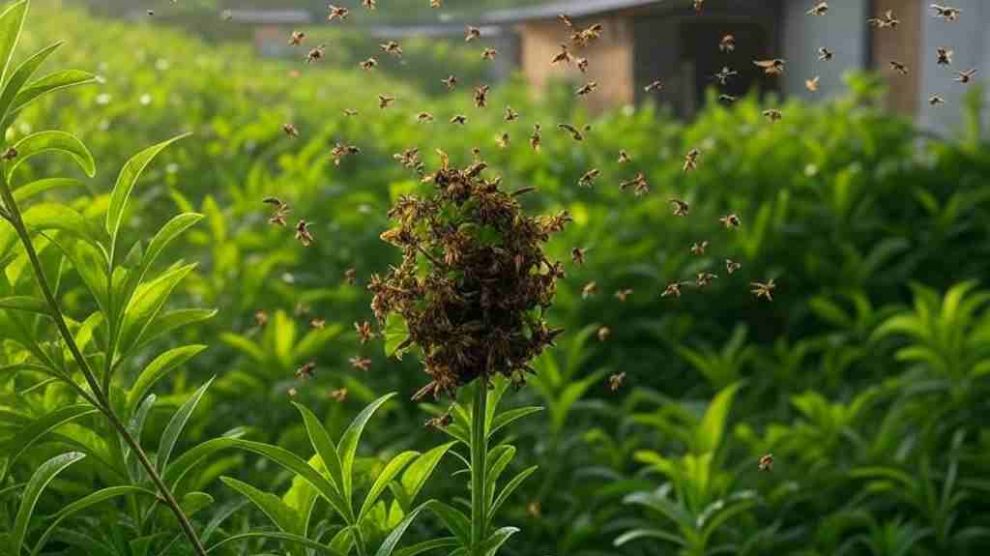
[(945, 12), (730, 221), (763, 289), (654, 86), (698, 248), (588, 178), (450, 82), (672, 289), (699, 5), (369, 64), (535, 138), (727, 99), (724, 74), (623, 157), (943, 56), (481, 95), (965, 77), (589, 289), (615, 381), (502, 140), (898, 67), (577, 134), (703, 279), (489, 54), (773, 66), (821, 8), (318, 323), (773, 114), (392, 47), (623, 294), (765, 462), (471, 33), (337, 12), (935, 100), (307, 371), (825, 55), (731, 266), (260, 318), (691, 160), (290, 130), (360, 363), (888, 20), (296, 38), (384, 101), (582, 64), (423, 117), (370, 4), (440, 421), (364, 331), (350, 276), (604, 333), (281, 210), (350, 112), (510, 114), (639, 184), (563, 56), (339, 395), (316, 54), (577, 255), (436, 4), (303, 234), (458, 119), (728, 43), (341, 150), (679, 207), (811, 84), (586, 89)]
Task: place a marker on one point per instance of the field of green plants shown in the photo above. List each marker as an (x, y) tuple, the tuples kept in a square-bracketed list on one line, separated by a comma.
[(180, 376)]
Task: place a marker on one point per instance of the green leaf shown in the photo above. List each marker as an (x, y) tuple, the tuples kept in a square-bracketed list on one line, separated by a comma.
[(392, 540), (32, 492), (298, 466), (147, 302), (288, 537), (83, 503), (55, 216), (392, 468), (191, 457), (416, 475), (427, 546), (158, 369), (637, 534), (510, 487), (11, 22), (128, 176), (506, 418), (349, 441), (171, 230), (712, 426), (37, 187), (395, 334), (175, 425), (24, 303), (37, 428), (57, 141), (192, 502), (498, 538), (324, 447), (455, 520), (284, 517), (52, 82), (20, 76)]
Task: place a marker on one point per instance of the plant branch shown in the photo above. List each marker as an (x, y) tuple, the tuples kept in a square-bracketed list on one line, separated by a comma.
[(479, 467), (101, 398)]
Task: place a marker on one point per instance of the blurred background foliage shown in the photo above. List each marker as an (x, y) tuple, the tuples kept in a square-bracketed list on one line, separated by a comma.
[(867, 377)]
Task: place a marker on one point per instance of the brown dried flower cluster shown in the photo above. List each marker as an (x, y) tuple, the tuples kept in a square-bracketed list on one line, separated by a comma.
[(474, 282)]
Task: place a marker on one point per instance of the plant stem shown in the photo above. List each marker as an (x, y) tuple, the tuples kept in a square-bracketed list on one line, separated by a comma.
[(479, 467), (101, 398)]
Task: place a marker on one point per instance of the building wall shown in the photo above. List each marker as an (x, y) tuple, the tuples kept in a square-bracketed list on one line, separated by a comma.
[(610, 57), (842, 31), (969, 37)]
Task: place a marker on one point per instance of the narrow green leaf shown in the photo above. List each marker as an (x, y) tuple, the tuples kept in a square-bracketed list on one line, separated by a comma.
[(427, 546), (53, 141), (158, 369), (391, 470), (37, 428), (712, 426), (11, 22), (352, 436), (171, 230), (36, 485), (21, 75), (506, 418), (419, 471), (55, 81), (497, 539), (284, 517), (324, 447), (128, 176), (24, 303), (83, 503), (637, 534), (510, 487), (178, 422), (455, 520), (287, 537), (37, 187), (392, 540)]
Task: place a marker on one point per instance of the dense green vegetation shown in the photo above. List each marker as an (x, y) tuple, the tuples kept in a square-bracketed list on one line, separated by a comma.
[(866, 378)]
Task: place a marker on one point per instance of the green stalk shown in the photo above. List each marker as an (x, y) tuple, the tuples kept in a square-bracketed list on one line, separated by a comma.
[(479, 467), (102, 401)]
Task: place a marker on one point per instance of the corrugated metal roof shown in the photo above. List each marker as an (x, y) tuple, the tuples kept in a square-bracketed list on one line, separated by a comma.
[(573, 8)]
